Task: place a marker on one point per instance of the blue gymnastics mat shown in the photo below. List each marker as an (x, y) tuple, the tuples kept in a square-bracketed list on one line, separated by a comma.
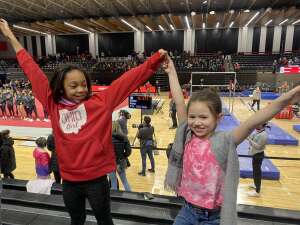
[(277, 136), (269, 171), (296, 128), (264, 95)]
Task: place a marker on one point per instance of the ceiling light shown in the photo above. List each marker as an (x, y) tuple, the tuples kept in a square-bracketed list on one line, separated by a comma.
[(297, 21), (218, 24), (187, 22), (149, 28), (246, 10), (193, 13), (253, 17), (128, 24), (204, 2), (283, 22), (161, 28), (172, 27), (203, 25), (24, 28), (231, 24), (267, 23), (212, 12), (269, 9), (75, 27)]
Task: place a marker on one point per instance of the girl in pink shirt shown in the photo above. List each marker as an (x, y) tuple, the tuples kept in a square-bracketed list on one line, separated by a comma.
[(203, 163)]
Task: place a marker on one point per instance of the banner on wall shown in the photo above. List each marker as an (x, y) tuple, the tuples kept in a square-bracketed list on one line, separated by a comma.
[(290, 69), (3, 46)]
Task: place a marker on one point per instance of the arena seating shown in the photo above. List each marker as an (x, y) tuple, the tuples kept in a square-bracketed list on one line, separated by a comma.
[(255, 62)]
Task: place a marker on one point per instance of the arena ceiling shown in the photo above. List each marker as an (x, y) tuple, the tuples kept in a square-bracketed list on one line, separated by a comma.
[(48, 16)]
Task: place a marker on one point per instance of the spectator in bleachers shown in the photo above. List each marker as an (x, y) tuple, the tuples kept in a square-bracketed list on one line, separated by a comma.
[(76, 116), (122, 150), (7, 155), (43, 183)]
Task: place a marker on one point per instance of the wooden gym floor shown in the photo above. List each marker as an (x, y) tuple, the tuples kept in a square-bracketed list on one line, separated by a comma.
[(284, 193)]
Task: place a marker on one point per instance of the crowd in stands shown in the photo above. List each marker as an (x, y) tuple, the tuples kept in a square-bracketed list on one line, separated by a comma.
[(118, 65)]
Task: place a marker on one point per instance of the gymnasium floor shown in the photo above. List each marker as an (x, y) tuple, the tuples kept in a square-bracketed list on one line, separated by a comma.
[(284, 193)]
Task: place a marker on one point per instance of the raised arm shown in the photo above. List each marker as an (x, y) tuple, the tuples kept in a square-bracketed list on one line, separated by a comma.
[(176, 90), (121, 88), (265, 114), (6, 31), (38, 79)]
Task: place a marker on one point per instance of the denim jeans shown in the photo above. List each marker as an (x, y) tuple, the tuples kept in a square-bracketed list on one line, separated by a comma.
[(98, 194), (113, 179), (147, 150), (188, 215)]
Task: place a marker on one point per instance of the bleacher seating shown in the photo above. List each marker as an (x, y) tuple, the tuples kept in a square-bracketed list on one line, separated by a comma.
[(257, 62)]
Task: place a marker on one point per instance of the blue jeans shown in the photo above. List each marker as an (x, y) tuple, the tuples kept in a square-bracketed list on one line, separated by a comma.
[(113, 179), (147, 150), (189, 215)]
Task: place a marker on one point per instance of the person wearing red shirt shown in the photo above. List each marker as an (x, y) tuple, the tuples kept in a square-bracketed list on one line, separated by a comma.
[(82, 125)]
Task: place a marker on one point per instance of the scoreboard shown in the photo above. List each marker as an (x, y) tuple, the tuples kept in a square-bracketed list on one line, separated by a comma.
[(290, 69), (140, 101)]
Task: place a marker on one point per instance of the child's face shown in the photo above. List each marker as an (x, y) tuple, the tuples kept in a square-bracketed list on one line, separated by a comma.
[(75, 86), (201, 120)]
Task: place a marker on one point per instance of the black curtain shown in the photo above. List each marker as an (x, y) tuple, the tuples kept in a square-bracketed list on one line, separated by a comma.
[(296, 42), (168, 40), (34, 47), (116, 44), (43, 45), (269, 39), (282, 39), (68, 44), (216, 40), (256, 39)]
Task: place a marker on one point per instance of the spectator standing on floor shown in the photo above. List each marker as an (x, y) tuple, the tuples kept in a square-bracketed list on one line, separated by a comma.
[(8, 158)]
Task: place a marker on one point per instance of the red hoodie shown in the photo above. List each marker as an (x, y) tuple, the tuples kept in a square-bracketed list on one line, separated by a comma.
[(83, 131)]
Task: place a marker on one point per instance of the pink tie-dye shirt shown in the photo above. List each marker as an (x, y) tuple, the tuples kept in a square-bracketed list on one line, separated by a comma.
[(202, 177)]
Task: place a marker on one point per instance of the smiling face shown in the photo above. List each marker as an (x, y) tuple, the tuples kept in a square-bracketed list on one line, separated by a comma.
[(75, 86), (202, 120)]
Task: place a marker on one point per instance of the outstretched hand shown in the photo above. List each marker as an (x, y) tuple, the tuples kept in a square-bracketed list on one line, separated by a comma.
[(168, 65), (163, 53), (294, 95), (5, 28)]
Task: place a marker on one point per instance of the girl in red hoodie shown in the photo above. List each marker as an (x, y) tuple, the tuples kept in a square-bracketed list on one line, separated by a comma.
[(81, 125)]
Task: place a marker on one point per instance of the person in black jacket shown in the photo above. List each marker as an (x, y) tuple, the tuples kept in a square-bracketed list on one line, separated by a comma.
[(145, 134), (8, 158), (53, 160), (122, 150)]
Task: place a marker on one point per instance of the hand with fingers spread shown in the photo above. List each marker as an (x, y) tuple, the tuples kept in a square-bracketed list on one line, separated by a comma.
[(6, 31), (163, 53), (168, 66), (5, 28)]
